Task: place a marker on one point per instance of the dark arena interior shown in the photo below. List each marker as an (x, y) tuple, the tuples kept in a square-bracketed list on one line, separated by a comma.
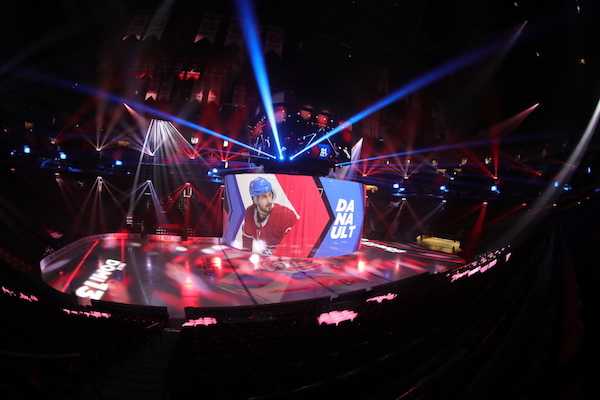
[(251, 199)]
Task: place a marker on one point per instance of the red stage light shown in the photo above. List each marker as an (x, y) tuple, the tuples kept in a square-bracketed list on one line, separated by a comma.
[(361, 266)]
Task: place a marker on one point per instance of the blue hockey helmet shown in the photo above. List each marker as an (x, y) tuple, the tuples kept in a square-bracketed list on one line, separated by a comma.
[(260, 186)]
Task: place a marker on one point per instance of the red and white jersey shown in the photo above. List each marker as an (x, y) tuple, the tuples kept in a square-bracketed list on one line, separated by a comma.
[(272, 230)]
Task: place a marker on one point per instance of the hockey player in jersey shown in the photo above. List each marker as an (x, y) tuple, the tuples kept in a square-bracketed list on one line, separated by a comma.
[(265, 222)]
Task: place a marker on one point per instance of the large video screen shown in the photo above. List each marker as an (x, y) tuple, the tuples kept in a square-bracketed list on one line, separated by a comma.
[(293, 215)]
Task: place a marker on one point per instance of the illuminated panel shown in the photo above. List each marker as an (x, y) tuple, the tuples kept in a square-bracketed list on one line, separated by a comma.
[(291, 215), (204, 321), (380, 299), (21, 296), (335, 317), (88, 314)]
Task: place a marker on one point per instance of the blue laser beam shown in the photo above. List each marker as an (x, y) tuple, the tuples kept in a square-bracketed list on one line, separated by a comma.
[(249, 30), (102, 94), (419, 83), (442, 148)]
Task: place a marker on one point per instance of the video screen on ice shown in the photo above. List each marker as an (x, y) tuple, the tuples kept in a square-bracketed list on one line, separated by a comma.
[(292, 215)]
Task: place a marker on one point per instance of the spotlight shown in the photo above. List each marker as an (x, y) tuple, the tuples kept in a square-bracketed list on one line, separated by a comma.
[(404, 199), (444, 201), (485, 203), (26, 149), (396, 185), (62, 155), (589, 170), (524, 205), (494, 188), (254, 258), (444, 188), (118, 163), (361, 265), (214, 170), (556, 184), (225, 143)]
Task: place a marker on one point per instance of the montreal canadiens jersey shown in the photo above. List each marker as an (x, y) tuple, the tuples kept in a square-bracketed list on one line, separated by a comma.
[(272, 230)]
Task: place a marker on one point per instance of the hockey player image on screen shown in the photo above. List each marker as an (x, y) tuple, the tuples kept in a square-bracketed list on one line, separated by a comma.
[(265, 221)]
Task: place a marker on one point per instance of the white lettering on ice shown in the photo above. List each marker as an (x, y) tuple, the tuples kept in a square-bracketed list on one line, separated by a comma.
[(95, 287)]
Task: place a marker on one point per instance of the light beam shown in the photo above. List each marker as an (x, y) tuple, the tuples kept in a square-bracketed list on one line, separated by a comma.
[(419, 83), (249, 30)]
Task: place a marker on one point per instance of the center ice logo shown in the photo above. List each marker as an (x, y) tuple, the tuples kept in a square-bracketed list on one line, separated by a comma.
[(343, 226)]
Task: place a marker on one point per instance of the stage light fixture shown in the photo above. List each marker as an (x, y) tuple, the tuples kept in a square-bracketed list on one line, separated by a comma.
[(118, 163), (215, 171), (62, 155), (494, 188), (444, 188), (396, 185), (26, 149)]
